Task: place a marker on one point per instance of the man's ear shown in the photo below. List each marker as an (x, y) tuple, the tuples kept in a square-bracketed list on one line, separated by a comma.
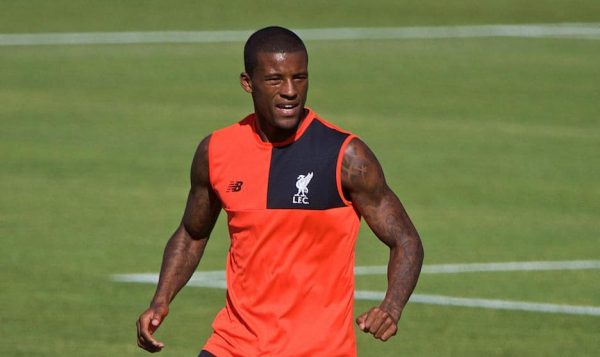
[(246, 82)]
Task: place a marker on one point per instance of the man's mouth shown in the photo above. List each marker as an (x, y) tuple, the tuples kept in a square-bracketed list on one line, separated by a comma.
[(287, 109)]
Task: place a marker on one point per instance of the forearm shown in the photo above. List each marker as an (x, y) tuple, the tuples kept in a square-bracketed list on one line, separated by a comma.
[(404, 267), (180, 259)]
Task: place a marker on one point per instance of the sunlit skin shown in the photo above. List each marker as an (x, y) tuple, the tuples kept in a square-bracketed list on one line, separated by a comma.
[(278, 85)]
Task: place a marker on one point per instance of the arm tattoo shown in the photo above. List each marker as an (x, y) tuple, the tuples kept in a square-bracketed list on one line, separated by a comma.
[(360, 169), (364, 182)]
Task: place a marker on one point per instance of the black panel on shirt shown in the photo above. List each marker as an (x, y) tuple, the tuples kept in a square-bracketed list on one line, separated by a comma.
[(316, 152)]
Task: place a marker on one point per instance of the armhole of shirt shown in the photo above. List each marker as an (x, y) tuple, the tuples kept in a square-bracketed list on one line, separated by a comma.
[(338, 170), (209, 154)]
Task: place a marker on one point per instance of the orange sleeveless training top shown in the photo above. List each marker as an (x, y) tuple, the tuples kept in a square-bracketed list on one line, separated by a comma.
[(290, 280)]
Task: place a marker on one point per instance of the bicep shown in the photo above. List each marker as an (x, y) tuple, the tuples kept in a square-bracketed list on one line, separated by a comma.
[(203, 206), (365, 184)]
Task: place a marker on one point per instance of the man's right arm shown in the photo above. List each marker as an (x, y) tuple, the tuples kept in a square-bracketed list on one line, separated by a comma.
[(184, 249)]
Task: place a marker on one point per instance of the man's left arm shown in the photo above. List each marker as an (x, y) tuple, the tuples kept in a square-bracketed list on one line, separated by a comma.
[(364, 183)]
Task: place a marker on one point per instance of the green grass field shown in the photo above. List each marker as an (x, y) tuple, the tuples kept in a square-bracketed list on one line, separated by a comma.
[(492, 145)]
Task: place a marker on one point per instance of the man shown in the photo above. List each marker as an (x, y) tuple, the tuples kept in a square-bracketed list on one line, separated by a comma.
[(294, 188)]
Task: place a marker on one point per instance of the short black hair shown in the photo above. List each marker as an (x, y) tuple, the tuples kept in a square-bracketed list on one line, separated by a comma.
[(270, 39)]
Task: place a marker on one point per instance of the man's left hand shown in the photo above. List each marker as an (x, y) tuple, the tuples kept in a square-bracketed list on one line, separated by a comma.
[(378, 322)]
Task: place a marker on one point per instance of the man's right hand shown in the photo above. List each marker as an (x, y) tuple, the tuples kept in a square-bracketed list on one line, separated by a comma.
[(147, 324)]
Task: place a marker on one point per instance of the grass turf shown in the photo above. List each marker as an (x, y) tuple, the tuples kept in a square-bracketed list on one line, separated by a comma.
[(491, 144)]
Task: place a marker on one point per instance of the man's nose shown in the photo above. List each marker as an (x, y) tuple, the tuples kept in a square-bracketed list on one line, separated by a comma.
[(288, 89)]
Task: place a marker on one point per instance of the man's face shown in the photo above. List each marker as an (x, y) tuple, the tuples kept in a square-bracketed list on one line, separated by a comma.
[(278, 85)]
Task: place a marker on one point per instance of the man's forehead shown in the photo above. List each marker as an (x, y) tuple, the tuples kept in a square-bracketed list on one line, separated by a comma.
[(272, 56), (279, 56), (276, 61)]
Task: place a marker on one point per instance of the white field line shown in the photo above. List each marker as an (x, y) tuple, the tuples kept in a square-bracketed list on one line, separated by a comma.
[(206, 279), (561, 30), (489, 267), (216, 279), (487, 303)]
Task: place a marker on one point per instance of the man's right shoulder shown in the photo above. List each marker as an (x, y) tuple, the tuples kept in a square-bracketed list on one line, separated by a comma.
[(232, 136), (240, 126)]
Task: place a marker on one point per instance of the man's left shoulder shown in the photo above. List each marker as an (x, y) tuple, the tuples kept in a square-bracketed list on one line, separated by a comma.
[(331, 125)]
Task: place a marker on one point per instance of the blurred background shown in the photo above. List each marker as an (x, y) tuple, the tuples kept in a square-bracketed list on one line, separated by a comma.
[(489, 135)]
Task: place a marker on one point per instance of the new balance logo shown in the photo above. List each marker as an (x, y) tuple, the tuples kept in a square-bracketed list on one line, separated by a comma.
[(235, 186), (302, 186)]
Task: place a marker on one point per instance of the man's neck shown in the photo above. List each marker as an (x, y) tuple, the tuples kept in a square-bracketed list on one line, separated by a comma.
[(271, 134)]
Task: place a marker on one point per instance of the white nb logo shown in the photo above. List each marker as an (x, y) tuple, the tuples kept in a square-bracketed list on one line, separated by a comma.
[(302, 185)]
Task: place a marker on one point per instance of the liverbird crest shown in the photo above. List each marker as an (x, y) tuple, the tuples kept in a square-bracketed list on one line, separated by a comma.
[(302, 186)]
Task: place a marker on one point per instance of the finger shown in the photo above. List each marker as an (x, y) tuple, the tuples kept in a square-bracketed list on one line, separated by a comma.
[(149, 341), (374, 320), (360, 321), (155, 322), (386, 324), (150, 346), (369, 317), (145, 328), (140, 339), (391, 331), (367, 320)]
